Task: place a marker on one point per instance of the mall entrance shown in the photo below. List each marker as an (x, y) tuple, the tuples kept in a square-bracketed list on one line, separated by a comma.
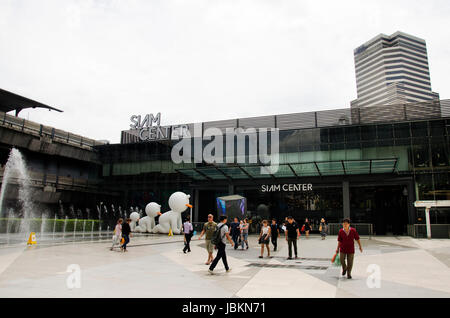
[(386, 207)]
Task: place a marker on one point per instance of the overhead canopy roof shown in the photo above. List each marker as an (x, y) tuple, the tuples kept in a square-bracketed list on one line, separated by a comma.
[(10, 101), (293, 170)]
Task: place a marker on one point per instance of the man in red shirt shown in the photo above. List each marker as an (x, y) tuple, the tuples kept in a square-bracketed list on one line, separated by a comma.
[(346, 247)]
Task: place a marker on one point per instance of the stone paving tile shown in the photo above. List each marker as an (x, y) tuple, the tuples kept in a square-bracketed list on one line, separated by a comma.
[(155, 266)]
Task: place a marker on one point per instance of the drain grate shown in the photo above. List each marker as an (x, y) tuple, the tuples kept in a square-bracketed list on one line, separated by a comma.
[(306, 267)]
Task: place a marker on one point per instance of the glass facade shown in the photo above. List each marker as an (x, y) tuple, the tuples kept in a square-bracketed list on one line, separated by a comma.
[(413, 156)]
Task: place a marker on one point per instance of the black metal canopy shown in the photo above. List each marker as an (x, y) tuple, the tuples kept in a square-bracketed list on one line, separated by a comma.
[(301, 169), (10, 101)]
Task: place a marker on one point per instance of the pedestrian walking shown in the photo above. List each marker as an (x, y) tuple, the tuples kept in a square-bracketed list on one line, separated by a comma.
[(323, 228), (224, 236), (275, 233), (264, 238), (346, 247), (235, 232), (307, 227), (188, 231), (244, 233), (126, 234), (208, 230), (292, 234), (117, 233)]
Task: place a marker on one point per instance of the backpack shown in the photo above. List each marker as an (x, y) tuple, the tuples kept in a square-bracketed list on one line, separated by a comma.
[(216, 238)]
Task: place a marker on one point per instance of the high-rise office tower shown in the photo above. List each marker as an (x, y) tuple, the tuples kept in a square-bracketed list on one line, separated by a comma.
[(392, 70)]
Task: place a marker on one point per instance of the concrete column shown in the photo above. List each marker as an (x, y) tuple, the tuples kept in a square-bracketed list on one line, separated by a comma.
[(230, 189), (346, 198)]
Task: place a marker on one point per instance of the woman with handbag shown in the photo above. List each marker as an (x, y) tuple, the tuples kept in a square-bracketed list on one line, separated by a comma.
[(117, 233), (264, 238)]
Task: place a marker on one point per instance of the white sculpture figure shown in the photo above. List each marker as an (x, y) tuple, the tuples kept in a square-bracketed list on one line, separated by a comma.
[(147, 223), (134, 216), (178, 203)]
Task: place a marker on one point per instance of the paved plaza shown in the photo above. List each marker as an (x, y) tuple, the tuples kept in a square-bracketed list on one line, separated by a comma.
[(155, 266)]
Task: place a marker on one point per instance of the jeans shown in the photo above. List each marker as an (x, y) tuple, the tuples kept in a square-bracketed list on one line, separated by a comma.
[(274, 242), (220, 255), (347, 266), (244, 239), (187, 247), (127, 240), (235, 238), (292, 241)]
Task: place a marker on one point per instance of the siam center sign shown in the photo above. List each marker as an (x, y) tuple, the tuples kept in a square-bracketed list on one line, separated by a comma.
[(149, 128), (213, 145)]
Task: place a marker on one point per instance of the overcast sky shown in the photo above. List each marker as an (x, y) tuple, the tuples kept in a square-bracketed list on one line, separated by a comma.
[(102, 61)]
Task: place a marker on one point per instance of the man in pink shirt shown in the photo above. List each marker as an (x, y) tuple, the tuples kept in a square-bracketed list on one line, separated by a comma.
[(346, 247)]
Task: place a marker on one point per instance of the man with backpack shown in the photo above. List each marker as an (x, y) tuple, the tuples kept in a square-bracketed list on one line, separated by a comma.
[(219, 239)]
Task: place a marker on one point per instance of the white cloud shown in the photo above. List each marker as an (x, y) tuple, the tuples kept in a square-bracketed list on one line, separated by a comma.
[(102, 61)]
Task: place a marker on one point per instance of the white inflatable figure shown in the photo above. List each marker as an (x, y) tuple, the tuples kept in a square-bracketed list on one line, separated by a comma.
[(178, 203), (147, 223), (134, 216)]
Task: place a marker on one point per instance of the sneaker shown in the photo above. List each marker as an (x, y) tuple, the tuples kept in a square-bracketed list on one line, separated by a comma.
[(228, 270), (211, 272)]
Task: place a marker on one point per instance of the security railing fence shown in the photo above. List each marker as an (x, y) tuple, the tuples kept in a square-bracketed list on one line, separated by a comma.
[(437, 230), (361, 228), (32, 128)]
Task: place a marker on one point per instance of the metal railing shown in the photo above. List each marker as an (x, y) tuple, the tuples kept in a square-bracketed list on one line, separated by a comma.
[(437, 230), (361, 228), (50, 133)]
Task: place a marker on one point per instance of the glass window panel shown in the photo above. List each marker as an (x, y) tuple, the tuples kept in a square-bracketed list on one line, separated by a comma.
[(439, 152), (289, 141), (330, 168), (401, 130), (357, 167), (212, 173), (234, 172), (352, 134), (255, 172), (382, 166), (419, 129), (284, 171), (437, 128), (421, 156), (385, 131), (368, 133), (305, 169), (336, 135)]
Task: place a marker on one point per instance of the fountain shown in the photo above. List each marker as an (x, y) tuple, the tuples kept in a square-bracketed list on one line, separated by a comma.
[(75, 229), (92, 230), (54, 227), (43, 220), (84, 226), (16, 173), (65, 223)]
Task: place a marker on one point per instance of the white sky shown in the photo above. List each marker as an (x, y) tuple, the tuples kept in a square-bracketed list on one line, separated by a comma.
[(105, 60)]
